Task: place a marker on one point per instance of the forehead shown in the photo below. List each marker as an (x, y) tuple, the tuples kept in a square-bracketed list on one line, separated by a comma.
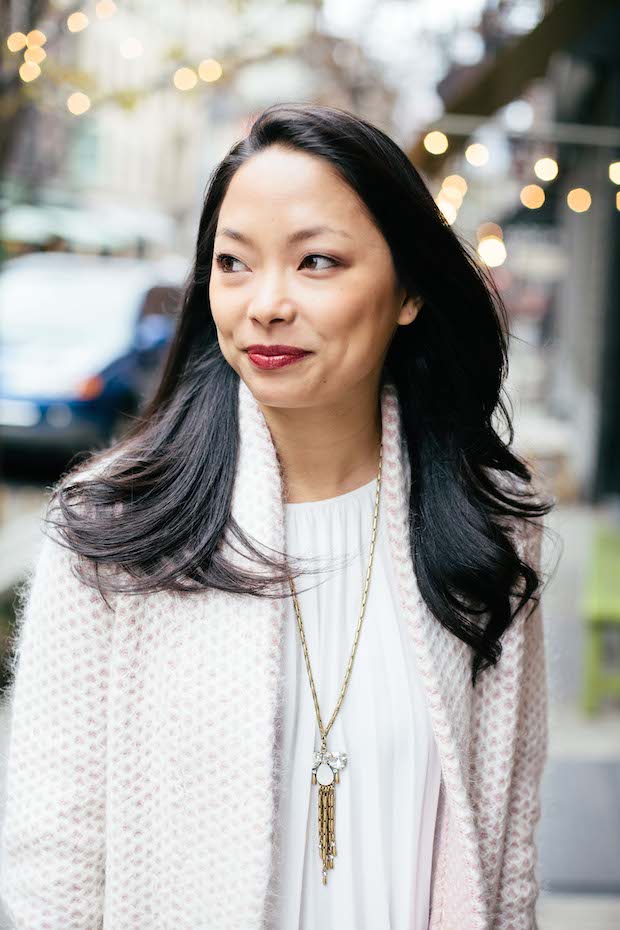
[(290, 186)]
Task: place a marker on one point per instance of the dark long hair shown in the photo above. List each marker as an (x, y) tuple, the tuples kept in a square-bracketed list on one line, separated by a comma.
[(160, 507)]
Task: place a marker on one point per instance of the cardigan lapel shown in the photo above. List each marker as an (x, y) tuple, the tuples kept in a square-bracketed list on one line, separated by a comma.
[(444, 663), (443, 660)]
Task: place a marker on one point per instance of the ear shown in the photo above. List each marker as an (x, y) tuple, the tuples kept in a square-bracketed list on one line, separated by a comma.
[(409, 309)]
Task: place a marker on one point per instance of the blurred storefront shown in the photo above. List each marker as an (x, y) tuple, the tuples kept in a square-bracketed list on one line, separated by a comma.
[(547, 104)]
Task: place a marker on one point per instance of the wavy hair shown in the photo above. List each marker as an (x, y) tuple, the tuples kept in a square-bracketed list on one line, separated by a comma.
[(160, 506)]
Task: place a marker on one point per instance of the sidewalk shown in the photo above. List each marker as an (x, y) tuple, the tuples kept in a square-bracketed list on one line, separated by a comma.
[(21, 510), (579, 832), (574, 912)]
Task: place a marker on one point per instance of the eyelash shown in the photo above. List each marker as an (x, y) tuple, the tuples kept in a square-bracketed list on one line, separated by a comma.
[(222, 255)]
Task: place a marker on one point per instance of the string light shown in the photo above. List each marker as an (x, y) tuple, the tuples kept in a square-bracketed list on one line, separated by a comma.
[(209, 70), (532, 196), (105, 8), (477, 154), (436, 142), (579, 199), (490, 229), (492, 251), (456, 182), (29, 71), (35, 37), (185, 78), (491, 247), (449, 199), (16, 41), (447, 208), (78, 103), (77, 21), (451, 195), (35, 54), (546, 169)]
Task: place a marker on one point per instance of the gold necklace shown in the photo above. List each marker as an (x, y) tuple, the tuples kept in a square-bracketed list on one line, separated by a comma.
[(327, 765)]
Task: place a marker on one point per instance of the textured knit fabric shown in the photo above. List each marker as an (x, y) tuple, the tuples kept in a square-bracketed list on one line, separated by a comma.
[(381, 875), (142, 774)]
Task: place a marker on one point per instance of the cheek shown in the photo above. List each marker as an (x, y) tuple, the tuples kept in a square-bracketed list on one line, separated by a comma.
[(222, 309), (338, 311), (213, 291), (353, 316)]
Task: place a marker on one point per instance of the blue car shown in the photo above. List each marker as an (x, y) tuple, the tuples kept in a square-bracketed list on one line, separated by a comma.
[(82, 341)]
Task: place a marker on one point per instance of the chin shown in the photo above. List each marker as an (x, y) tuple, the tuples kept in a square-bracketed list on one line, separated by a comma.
[(285, 396)]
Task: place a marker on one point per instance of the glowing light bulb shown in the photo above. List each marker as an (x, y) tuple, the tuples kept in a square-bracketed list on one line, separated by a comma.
[(455, 181), (185, 78), (29, 71), (35, 54), (477, 154), (105, 8), (36, 37), (492, 251), (447, 208), (453, 194), (77, 21), (532, 196), (490, 229), (435, 142), (78, 103), (579, 199), (209, 70), (546, 169), (16, 41)]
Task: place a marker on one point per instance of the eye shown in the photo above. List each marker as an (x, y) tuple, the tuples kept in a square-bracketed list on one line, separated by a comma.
[(223, 261), (326, 258), (222, 258)]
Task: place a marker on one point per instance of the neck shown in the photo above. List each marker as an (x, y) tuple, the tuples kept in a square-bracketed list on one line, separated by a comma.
[(327, 451)]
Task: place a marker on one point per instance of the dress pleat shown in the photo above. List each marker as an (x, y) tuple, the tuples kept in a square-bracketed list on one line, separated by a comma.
[(386, 800)]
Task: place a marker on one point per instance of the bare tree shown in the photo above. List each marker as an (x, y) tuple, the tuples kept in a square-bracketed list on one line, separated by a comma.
[(15, 95)]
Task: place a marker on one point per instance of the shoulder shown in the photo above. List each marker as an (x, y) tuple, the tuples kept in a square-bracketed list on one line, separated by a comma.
[(70, 488), (56, 565)]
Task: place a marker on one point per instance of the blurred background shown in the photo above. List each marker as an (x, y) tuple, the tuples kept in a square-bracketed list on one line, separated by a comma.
[(112, 115)]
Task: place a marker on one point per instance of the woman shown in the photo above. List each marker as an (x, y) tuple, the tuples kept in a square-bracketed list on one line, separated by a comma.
[(186, 751)]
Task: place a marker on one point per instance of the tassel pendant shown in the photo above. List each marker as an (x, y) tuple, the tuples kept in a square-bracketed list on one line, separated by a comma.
[(326, 771)]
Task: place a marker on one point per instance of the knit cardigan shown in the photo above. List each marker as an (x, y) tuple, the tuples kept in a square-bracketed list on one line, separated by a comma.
[(141, 780)]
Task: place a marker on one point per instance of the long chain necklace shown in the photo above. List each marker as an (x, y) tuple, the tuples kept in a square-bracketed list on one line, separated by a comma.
[(327, 765)]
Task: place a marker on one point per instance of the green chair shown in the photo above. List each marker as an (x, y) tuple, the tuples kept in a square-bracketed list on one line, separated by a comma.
[(601, 610)]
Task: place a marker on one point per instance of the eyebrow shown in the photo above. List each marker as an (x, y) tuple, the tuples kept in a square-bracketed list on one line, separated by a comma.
[(301, 234)]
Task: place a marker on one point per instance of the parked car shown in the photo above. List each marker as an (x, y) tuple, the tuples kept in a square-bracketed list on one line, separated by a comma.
[(82, 340)]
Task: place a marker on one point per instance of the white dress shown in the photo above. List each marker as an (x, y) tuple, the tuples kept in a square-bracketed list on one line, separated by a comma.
[(386, 801)]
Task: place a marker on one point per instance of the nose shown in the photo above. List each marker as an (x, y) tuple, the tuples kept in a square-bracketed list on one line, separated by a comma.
[(271, 300)]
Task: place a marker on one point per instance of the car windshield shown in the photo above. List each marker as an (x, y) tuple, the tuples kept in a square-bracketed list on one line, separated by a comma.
[(62, 310)]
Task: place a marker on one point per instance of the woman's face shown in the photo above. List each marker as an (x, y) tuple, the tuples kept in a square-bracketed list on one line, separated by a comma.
[(298, 262)]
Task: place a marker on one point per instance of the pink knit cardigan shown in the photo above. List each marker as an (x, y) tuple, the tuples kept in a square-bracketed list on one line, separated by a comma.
[(141, 774)]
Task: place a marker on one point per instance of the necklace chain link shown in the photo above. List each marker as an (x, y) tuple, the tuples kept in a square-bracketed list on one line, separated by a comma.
[(325, 731)]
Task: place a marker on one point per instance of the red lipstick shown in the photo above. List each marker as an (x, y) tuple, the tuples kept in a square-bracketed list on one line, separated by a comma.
[(275, 356)]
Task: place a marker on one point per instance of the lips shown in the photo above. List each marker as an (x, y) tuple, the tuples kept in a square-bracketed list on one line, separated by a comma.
[(257, 349), (271, 357)]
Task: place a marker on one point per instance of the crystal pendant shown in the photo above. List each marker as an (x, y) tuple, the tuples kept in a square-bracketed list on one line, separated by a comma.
[(326, 772)]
